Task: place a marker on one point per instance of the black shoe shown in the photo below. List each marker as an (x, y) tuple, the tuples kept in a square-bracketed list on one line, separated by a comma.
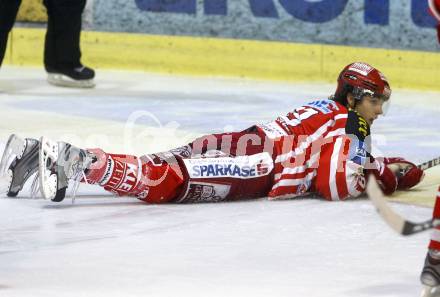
[(77, 77)]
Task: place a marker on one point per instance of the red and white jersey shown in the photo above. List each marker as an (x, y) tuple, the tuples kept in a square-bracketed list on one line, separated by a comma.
[(319, 148)]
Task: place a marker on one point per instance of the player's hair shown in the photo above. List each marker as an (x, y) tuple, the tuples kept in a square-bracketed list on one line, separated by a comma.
[(341, 97)]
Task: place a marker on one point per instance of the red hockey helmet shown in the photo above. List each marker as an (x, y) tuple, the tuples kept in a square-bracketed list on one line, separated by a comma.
[(362, 79)]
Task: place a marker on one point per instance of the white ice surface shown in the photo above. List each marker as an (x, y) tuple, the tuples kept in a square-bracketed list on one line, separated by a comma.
[(104, 246)]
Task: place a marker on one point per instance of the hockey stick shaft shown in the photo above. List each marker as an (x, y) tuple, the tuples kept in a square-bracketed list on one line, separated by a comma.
[(393, 219), (429, 164)]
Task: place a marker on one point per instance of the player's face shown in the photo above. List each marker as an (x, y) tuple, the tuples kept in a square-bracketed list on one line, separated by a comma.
[(370, 108)]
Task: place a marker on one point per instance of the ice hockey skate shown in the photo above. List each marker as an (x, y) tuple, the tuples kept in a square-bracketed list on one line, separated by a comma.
[(430, 276), (18, 163), (60, 162), (78, 77)]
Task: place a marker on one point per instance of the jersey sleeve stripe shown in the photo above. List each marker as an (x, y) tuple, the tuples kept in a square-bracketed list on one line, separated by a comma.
[(336, 132), (293, 122), (299, 169), (305, 144), (341, 116), (295, 182), (334, 168)]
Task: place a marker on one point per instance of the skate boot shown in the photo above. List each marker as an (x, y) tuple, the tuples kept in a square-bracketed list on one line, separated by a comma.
[(430, 276), (18, 163), (60, 162), (75, 77)]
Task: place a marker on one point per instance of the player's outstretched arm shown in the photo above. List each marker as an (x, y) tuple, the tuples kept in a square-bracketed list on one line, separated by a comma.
[(394, 174)]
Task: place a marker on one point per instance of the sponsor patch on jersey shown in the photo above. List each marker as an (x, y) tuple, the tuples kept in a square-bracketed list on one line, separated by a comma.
[(361, 68), (205, 192), (123, 177), (359, 159), (243, 167), (358, 151), (325, 106)]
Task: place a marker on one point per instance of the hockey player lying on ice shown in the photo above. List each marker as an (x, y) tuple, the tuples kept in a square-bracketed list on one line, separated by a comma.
[(321, 147)]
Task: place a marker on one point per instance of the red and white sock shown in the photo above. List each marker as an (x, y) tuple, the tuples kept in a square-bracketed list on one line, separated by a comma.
[(127, 175)]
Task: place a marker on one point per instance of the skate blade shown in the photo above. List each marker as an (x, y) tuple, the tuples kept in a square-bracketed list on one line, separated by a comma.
[(428, 291), (48, 156), (61, 80), (14, 149)]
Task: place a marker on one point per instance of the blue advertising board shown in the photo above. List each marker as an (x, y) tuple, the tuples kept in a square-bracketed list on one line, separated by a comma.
[(404, 24)]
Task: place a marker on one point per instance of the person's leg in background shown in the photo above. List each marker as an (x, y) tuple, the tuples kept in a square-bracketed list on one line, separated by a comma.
[(430, 276), (62, 54), (8, 13)]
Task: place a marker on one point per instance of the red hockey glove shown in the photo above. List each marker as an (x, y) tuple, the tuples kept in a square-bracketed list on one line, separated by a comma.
[(407, 173), (384, 176)]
